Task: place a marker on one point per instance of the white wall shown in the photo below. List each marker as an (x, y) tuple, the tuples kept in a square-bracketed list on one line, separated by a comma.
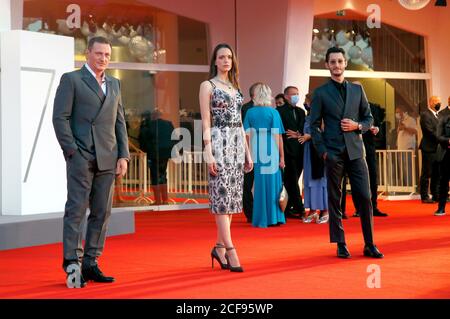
[(33, 167)]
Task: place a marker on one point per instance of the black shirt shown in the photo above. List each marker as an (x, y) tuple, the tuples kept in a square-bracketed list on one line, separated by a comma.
[(342, 88)]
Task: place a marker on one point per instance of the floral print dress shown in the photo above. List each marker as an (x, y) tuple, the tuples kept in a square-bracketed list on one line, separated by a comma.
[(228, 148)]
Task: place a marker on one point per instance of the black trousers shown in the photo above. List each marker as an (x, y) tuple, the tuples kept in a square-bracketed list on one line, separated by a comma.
[(158, 170), (336, 165), (247, 198), (429, 176), (372, 166), (444, 179), (292, 171)]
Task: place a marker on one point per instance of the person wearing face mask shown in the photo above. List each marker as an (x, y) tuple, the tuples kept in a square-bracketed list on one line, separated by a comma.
[(280, 100), (293, 119), (428, 145)]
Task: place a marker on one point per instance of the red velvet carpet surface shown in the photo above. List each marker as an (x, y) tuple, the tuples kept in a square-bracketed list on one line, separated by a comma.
[(168, 257)]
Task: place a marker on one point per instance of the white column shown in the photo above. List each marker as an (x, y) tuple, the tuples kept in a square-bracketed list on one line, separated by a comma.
[(5, 15), (33, 177), (300, 19)]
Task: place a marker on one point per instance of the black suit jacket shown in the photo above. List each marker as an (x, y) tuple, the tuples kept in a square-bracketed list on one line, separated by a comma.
[(328, 105), (443, 135), (428, 123), (368, 137), (291, 146), (247, 106)]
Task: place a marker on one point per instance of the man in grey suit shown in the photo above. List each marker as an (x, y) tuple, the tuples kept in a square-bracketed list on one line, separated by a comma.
[(89, 123), (345, 112)]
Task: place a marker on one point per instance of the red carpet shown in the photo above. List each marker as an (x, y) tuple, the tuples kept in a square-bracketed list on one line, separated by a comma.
[(168, 257)]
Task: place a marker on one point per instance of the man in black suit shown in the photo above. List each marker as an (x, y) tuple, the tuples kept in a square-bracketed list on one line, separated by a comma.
[(345, 112), (293, 119), (247, 198), (443, 157), (88, 118), (428, 146)]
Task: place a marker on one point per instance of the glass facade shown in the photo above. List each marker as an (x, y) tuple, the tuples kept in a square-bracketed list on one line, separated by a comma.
[(379, 49), (161, 107)]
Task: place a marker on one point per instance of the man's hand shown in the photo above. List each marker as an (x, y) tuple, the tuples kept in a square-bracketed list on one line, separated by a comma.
[(293, 134), (348, 125), (374, 130), (122, 166)]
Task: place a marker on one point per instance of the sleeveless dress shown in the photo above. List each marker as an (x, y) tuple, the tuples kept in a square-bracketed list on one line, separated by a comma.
[(228, 149)]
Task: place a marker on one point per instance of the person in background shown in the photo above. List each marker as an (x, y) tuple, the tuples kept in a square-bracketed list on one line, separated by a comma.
[(280, 100), (247, 198), (443, 157), (293, 119), (428, 145), (156, 140), (314, 177), (264, 128)]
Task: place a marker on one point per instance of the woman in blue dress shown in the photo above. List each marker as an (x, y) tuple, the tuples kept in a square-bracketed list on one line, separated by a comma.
[(264, 128), (314, 178)]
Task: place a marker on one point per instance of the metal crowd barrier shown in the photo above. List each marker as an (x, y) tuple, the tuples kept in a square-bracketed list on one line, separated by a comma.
[(187, 178), (188, 175), (397, 171)]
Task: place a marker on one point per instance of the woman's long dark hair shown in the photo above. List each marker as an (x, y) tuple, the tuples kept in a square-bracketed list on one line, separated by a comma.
[(233, 74)]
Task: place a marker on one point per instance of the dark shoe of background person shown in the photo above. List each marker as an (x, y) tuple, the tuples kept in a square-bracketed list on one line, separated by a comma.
[(342, 251), (439, 212), (427, 201), (74, 277), (95, 274), (356, 214), (344, 215), (379, 213), (372, 251)]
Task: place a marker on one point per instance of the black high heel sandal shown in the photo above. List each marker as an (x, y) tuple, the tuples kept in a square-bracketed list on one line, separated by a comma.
[(232, 268), (215, 255)]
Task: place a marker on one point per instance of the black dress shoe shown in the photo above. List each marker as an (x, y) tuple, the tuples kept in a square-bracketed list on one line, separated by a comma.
[(74, 277), (379, 214), (356, 214), (372, 251), (344, 216), (439, 212), (428, 201), (342, 251), (95, 274)]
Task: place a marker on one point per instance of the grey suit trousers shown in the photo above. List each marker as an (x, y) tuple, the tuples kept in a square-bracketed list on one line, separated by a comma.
[(87, 186)]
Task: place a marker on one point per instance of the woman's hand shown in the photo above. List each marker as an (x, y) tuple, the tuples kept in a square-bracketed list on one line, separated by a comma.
[(212, 168), (292, 134), (303, 138), (248, 165), (282, 164)]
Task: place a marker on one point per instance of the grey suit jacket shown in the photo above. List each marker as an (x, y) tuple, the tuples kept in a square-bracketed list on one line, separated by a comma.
[(328, 105), (85, 120)]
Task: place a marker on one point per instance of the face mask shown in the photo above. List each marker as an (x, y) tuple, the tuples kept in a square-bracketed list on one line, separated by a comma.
[(398, 116), (437, 106), (294, 99), (307, 107)]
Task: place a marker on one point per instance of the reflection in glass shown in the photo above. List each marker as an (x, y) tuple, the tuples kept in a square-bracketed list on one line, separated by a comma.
[(378, 49), (138, 32)]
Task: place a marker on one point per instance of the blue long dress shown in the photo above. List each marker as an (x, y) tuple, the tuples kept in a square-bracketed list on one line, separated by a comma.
[(264, 123), (315, 192)]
